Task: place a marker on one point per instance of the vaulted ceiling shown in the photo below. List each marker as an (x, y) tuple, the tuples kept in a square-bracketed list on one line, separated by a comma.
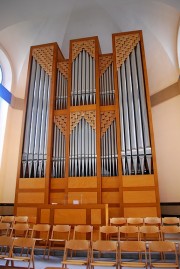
[(24, 23)]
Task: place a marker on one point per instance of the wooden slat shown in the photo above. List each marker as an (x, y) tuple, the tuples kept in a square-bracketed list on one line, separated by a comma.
[(70, 216), (110, 197), (31, 183), (83, 197), (82, 182), (138, 181), (140, 212), (139, 197), (29, 197), (110, 182)]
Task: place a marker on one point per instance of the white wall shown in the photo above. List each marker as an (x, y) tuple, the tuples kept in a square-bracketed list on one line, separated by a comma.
[(166, 122)]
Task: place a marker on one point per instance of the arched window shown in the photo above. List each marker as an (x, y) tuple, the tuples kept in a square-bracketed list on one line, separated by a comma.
[(5, 88)]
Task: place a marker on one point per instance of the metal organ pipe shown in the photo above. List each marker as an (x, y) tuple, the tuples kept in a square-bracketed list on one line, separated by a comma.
[(135, 140)]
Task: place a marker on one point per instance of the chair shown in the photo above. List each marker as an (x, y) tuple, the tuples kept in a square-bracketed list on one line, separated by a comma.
[(40, 233), (170, 221), (25, 245), (59, 234), (77, 247), (104, 247), (8, 219), (21, 219), (5, 245), (19, 230), (135, 251), (135, 221), (152, 221), (128, 233), (163, 247), (4, 228), (171, 233), (118, 221), (149, 233), (83, 232), (108, 232)]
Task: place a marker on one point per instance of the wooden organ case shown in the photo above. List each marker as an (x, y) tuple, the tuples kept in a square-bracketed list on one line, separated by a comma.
[(87, 142)]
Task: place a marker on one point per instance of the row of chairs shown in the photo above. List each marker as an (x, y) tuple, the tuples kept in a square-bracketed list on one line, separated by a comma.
[(145, 221), (97, 254)]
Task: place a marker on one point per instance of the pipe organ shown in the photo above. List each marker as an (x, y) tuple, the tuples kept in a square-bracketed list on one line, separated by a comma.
[(87, 135)]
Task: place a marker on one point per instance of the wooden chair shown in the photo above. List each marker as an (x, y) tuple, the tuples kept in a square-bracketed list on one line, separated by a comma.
[(40, 233), (21, 219), (127, 232), (170, 221), (5, 245), (83, 232), (118, 221), (135, 221), (76, 247), (59, 235), (171, 233), (135, 250), (19, 230), (8, 219), (4, 228), (108, 233), (27, 252), (163, 248), (149, 233), (104, 247), (152, 221)]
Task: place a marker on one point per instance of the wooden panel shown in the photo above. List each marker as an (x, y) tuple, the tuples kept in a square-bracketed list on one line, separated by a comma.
[(110, 182), (57, 183), (96, 216), (110, 197), (58, 197), (139, 196), (31, 183), (138, 181), (24, 211), (45, 216), (82, 182), (70, 216), (82, 197), (140, 212), (114, 212), (31, 197)]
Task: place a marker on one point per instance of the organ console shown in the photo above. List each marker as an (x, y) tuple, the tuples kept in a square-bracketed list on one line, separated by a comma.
[(87, 136)]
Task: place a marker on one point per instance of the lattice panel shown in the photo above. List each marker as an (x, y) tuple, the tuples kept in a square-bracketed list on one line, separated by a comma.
[(44, 57), (104, 62), (89, 116), (107, 118), (64, 68), (61, 123), (88, 45), (124, 46)]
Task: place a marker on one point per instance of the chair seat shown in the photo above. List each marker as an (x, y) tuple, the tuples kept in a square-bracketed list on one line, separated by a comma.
[(17, 258), (133, 264), (75, 262), (57, 240), (164, 265), (102, 263)]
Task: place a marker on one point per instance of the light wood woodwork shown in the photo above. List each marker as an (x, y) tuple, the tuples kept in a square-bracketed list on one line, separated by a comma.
[(82, 197), (82, 182), (110, 198), (138, 181), (139, 197), (31, 197), (57, 183), (110, 182), (58, 198), (31, 183), (45, 216), (114, 212), (70, 216), (140, 211), (96, 216), (30, 212)]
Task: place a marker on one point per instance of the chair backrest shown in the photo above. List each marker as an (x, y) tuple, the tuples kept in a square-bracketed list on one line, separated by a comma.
[(135, 221), (83, 230), (61, 231), (118, 221), (8, 219), (6, 241), (20, 229), (170, 221), (128, 232), (41, 231), (105, 245), (21, 219), (108, 231), (4, 228), (152, 221), (132, 246), (24, 242), (150, 232), (75, 244), (170, 233)]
